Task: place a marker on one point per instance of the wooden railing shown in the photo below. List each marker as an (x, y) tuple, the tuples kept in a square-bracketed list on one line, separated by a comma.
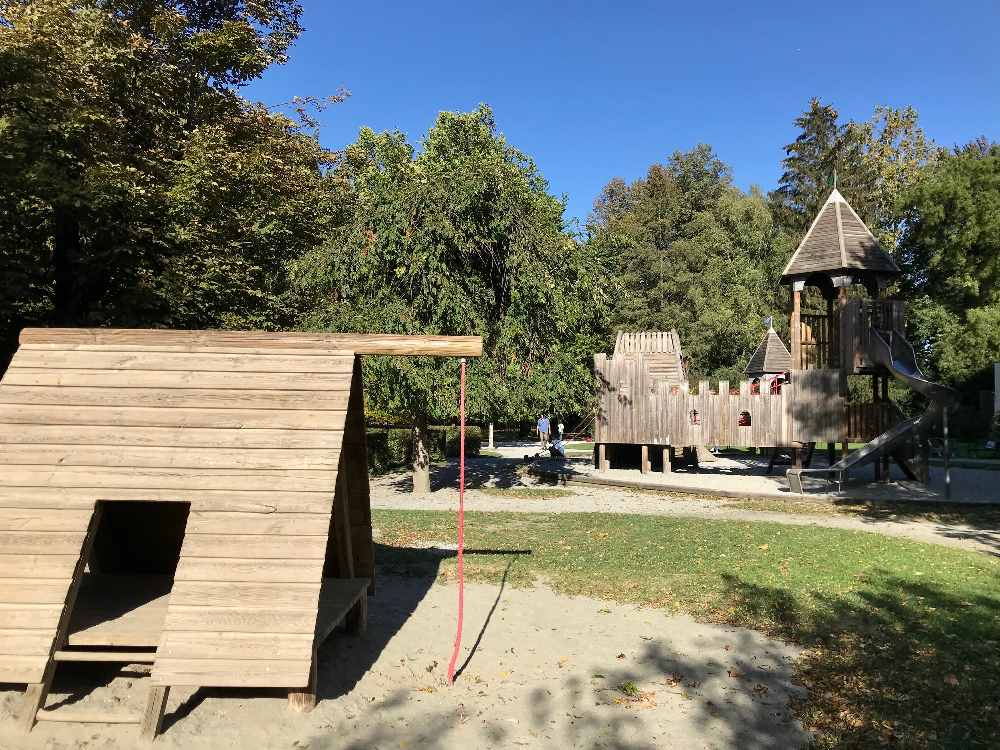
[(857, 316), (868, 420), (819, 341)]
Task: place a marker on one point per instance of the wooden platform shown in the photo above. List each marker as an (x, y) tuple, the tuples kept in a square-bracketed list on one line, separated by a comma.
[(128, 611), (336, 598), (116, 610)]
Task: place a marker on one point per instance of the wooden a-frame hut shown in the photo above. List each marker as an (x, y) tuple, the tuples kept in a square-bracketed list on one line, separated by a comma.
[(198, 499)]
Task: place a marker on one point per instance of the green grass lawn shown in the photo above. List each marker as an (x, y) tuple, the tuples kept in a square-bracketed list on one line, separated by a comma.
[(901, 638)]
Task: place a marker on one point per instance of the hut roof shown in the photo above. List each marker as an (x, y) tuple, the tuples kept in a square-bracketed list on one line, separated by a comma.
[(838, 241), (771, 356), (661, 351), (648, 342)]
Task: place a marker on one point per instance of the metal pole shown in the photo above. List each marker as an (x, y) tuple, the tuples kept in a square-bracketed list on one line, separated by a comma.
[(947, 456)]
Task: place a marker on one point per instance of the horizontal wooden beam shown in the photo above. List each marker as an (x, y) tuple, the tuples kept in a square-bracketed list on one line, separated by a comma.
[(121, 657), (437, 346), (83, 717)]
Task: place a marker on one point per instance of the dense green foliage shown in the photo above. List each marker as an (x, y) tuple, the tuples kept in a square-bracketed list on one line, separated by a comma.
[(872, 163), (460, 238), (950, 251), (693, 253), (136, 186)]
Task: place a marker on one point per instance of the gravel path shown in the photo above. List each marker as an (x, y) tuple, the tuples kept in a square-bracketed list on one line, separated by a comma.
[(393, 491)]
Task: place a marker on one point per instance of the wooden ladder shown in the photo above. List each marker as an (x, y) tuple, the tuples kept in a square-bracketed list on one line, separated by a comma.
[(33, 704)]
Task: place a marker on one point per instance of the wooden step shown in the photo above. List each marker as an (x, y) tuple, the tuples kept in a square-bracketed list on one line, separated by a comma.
[(83, 717), (121, 657)]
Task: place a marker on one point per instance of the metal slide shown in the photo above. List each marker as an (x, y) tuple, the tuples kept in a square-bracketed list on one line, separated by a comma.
[(898, 357)]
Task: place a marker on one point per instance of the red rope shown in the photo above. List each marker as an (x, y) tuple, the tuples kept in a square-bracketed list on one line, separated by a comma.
[(461, 524)]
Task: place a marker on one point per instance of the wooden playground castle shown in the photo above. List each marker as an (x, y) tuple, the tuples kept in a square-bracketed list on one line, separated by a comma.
[(193, 500), (642, 403)]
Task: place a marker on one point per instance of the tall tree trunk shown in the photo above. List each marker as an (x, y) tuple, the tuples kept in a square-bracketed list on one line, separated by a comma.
[(421, 457), (66, 266)]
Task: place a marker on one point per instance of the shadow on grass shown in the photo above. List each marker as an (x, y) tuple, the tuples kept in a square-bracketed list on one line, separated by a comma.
[(975, 522), (480, 471), (897, 662)]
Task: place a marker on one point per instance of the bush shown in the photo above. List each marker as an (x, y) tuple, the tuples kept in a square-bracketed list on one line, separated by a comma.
[(392, 448)]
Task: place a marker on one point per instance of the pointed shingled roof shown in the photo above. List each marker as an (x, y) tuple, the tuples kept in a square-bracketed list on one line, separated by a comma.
[(838, 241), (771, 356)]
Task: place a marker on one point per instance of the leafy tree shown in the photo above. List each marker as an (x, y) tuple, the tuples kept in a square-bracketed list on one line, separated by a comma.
[(462, 238), (950, 246), (136, 186), (693, 253), (873, 162), (824, 147), (950, 255), (895, 152)]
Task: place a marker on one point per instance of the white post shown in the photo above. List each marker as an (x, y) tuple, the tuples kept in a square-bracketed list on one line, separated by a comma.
[(947, 456), (491, 436)]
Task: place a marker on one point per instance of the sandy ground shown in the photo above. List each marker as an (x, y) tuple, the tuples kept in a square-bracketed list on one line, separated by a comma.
[(537, 670), (393, 491)]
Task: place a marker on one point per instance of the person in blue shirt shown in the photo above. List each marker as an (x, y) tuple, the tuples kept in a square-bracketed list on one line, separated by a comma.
[(544, 430)]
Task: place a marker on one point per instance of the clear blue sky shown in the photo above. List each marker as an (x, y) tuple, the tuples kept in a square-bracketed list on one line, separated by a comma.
[(597, 90)]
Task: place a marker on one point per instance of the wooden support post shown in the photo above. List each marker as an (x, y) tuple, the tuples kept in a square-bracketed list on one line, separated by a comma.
[(36, 693), (342, 528), (796, 458), (304, 700), (878, 426), (356, 621), (846, 348), (845, 448), (831, 339), (667, 468), (603, 464), (884, 397), (693, 453), (796, 330), (152, 717), (34, 698), (644, 460)]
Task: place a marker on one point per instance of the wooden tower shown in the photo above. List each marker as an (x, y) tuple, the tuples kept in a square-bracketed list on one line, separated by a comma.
[(837, 254)]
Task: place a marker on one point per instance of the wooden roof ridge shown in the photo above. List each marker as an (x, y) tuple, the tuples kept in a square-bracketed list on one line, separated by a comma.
[(770, 356), (69, 338), (831, 245), (648, 342)]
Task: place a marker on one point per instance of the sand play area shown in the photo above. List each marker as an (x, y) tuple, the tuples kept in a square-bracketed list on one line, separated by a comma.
[(540, 670)]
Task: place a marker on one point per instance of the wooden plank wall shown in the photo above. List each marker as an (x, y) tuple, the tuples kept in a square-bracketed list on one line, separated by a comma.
[(250, 437), (856, 317), (355, 491), (818, 411), (636, 408)]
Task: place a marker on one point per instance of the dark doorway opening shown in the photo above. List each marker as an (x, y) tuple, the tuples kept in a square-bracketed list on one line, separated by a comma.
[(139, 538)]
